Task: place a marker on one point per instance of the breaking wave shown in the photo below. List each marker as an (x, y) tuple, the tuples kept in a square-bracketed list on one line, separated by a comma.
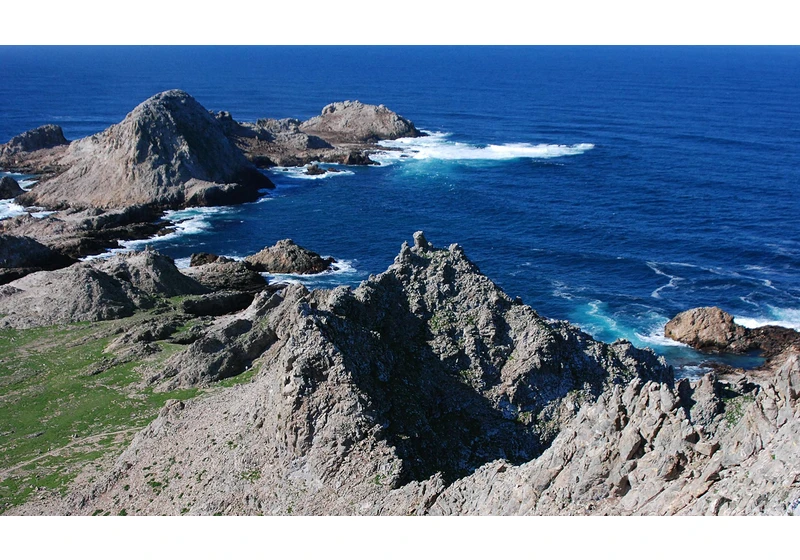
[(437, 146)]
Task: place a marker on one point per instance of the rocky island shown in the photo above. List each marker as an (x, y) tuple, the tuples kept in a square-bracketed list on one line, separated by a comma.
[(426, 390)]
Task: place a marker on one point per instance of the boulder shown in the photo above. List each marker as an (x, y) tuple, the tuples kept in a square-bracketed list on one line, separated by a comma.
[(9, 188), (353, 121), (286, 257), (707, 328), (218, 303), (169, 152), (150, 272)]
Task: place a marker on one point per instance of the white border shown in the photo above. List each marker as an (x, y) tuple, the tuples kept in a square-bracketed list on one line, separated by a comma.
[(420, 22)]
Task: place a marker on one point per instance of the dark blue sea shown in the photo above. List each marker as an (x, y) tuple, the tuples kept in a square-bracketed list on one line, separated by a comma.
[(609, 186)]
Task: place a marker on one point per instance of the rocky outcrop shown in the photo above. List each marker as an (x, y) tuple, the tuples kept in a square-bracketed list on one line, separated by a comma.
[(286, 257), (711, 329), (168, 152), (20, 255), (230, 275), (9, 188), (199, 259), (42, 138), (409, 383), (36, 151), (344, 133), (354, 122), (93, 291)]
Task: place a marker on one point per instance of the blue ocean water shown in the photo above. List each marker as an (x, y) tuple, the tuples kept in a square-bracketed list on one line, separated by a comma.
[(609, 186)]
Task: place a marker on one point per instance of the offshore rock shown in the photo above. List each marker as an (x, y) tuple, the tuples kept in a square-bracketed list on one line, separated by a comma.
[(169, 152), (199, 259), (9, 188), (711, 329), (353, 121), (286, 257)]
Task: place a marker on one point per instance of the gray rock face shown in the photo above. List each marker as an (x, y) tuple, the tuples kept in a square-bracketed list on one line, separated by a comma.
[(9, 188), (92, 291), (353, 121), (711, 329), (368, 400), (168, 152), (44, 137), (150, 272), (77, 293), (286, 257)]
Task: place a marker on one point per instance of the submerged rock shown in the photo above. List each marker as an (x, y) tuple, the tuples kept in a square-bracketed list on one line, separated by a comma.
[(286, 257)]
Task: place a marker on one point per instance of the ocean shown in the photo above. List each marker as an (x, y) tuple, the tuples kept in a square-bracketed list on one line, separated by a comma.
[(609, 186)]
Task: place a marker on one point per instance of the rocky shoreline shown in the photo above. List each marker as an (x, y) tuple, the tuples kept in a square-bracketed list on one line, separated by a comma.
[(168, 153), (426, 390)]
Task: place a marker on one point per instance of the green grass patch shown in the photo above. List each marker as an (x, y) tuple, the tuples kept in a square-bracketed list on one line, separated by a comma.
[(55, 415)]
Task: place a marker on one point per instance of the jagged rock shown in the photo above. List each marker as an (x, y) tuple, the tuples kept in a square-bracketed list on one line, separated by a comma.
[(712, 329), (77, 233), (20, 255), (167, 153), (353, 121), (9, 188), (286, 257), (421, 375), (199, 259), (232, 275), (41, 138)]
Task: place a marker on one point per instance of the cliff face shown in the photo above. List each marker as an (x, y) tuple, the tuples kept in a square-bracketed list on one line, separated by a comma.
[(168, 152)]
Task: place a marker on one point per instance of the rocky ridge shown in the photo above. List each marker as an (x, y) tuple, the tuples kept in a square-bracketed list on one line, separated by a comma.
[(427, 390)]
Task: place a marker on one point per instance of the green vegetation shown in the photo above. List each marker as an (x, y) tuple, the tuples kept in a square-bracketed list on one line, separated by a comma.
[(62, 407), (735, 407)]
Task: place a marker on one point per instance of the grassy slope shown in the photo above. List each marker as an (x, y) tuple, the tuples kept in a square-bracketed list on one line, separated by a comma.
[(58, 415)]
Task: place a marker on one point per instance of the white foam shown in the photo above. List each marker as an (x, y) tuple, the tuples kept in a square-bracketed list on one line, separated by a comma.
[(437, 146), (9, 209), (673, 280), (189, 221), (183, 263), (782, 317), (300, 172), (656, 338), (338, 268)]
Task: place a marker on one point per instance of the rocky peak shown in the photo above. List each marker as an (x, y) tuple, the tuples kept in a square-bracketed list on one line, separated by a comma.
[(168, 152)]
